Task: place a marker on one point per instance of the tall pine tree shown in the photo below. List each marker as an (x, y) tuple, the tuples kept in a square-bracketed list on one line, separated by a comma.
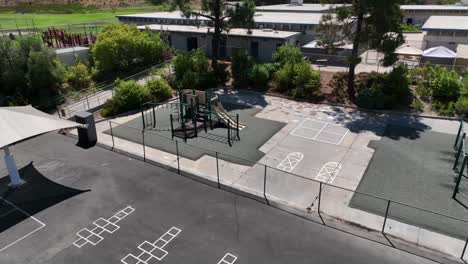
[(362, 22), (222, 15)]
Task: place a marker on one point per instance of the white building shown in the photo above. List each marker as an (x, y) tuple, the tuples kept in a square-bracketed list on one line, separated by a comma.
[(260, 43), (447, 31), (419, 14), (305, 23)]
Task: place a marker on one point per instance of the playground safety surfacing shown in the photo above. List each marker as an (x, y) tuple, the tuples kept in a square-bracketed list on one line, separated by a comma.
[(415, 167), (257, 132)]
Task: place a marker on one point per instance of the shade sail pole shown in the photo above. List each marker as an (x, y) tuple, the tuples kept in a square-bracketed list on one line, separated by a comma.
[(15, 179)]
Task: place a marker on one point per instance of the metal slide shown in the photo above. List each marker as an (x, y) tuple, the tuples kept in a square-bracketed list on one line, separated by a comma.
[(226, 119)]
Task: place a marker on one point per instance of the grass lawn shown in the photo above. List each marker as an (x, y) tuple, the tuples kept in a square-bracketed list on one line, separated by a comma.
[(11, 19)]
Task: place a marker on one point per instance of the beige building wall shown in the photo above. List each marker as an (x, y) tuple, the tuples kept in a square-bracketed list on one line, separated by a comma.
[(447, 39)]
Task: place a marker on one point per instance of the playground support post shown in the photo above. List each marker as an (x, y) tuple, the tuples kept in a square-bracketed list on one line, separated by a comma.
[(194, 121), (204, 123), (460, 175)]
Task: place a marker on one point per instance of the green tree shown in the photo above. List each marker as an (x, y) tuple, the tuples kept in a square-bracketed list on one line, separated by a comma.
[(193, 71), (288, 54), (78, 76), (222, 15), (364, 21), (29, 72), (121, 48)]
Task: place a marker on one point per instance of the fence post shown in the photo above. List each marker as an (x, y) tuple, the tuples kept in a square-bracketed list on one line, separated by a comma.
[(217, 170), (143, 117), (87, 102), (458, 133), (112, 134), (460, 148), (177, 153), (464, 249), (143, 141), (320, 197), (264, 185), (386, 215), (460, 175)]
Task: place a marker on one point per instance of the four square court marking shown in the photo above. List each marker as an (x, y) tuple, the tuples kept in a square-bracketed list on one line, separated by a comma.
[(320, 131), (13, 209)]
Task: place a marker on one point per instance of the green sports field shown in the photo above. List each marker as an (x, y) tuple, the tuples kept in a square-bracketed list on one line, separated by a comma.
[(10, 19)]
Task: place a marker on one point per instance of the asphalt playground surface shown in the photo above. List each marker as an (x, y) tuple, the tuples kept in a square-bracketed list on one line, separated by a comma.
[(244, 151), (415, 167), (136, 206)]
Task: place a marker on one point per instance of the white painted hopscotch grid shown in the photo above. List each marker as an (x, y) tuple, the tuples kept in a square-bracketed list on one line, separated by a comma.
[(328, 172), (320, 131), (152, 251), (291, 161), (228, 259), (15, 208), (101, 225)]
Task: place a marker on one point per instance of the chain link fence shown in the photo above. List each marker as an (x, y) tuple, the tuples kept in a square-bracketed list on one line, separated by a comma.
[(387, 222)]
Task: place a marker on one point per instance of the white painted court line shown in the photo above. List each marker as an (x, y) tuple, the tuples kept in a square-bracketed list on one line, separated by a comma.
[(328, 172), (290, 162), (42, 225), (94, 236), (228, 259), (320, 131), (153, 250)]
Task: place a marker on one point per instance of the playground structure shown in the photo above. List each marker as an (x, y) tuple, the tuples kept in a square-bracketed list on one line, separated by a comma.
[(193, 112), (58, 38), (461, 158)]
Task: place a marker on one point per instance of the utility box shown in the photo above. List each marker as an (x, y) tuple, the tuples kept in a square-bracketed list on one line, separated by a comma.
[(87, 136)]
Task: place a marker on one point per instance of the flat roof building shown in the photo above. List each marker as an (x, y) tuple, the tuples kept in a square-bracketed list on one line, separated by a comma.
[(447, 31), (261, 43), (419, 14), (305, 23)]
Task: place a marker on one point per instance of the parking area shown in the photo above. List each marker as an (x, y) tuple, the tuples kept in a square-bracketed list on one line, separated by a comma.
[(137, 213)]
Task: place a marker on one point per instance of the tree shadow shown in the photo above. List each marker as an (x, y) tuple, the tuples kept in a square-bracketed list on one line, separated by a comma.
[(242, 99), (36, 195), (358, 121)]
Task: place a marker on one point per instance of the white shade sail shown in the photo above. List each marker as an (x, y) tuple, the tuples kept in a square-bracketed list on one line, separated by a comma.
[(18, 123), (439, 52), (409, 50)]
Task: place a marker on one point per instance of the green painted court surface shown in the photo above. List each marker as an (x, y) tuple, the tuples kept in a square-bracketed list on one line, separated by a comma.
[(244, 151), (415, 167)]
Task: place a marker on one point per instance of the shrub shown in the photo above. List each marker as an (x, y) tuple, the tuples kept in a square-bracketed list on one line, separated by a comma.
[(417, 105), (298, 80), (128, 96), (444, 108), (371, 98), (445, 85), (78, 76), (462, 106), (241, 68), (193, 71), (122, 47), (287, 54), (159, 89), (285, 76), (259, 76)]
